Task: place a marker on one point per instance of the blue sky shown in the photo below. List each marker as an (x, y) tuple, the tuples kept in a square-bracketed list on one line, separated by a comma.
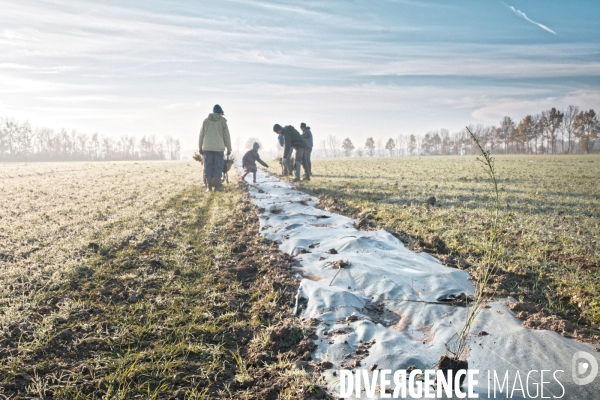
[(349, 68)]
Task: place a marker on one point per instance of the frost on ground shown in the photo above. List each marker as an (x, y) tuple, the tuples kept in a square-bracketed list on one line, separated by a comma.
[(129, 281), (53, 212), (550, 225)]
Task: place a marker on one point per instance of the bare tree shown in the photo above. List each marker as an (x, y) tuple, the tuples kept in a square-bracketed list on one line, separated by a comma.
[(505, 131), (107, 148), (380, 147), (446, 141), (412, 144), (3, 140), (553, 122), (370, 146), (95, 147), (400, 143), (324, 147), (491, 132), (390, 146), (347, 146), (567, 124), (334, 145), (24, 141), (82, 145), (10, 130), (170, 147), (586, 127), (526, 131)]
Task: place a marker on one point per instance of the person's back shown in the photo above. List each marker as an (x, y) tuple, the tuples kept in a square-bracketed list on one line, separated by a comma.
[(214, 135), (292, 138), (308, 138), (214, 139), (248, 159)]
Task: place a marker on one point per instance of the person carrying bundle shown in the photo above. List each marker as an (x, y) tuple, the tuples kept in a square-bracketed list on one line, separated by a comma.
[(214, 139), (249, 162)]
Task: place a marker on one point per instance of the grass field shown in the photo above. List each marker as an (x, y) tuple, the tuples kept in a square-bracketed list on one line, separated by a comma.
[(127, 280), (550, 253)]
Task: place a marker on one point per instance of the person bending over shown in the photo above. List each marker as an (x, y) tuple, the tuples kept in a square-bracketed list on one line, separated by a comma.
[(249, 162), (292, 140)]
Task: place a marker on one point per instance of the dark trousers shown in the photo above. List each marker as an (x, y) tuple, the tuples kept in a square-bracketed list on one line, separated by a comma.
[(287, 169), (306, 162), (213, 164), (299, 161)]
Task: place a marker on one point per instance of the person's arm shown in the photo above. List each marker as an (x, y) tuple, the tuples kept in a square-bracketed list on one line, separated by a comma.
[(201, 141), (227, 139), (261, 162)]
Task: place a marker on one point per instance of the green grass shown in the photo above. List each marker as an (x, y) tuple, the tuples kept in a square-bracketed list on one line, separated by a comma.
[(193, 309), (549, 246)]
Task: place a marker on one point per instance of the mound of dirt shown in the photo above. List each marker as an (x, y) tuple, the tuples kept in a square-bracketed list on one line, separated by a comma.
[(502, 285), (541, 319)]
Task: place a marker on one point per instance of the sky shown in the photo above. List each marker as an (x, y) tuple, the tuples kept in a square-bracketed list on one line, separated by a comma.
[(348, 68)]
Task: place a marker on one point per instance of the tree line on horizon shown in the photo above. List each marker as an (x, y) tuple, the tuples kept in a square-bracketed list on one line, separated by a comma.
[(21, 142), (549, 132)]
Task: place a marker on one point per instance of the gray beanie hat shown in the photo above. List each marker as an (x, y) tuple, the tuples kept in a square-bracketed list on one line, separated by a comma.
[(256, 145)]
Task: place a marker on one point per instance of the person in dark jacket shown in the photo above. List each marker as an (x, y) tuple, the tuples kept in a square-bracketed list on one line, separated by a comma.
[(249, 162), (308, 138), (292, 139)]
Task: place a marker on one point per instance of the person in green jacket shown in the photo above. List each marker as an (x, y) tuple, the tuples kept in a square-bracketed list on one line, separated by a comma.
[(214, 139)]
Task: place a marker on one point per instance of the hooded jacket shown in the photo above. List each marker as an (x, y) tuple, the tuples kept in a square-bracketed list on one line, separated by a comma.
[(214, 135), (292, 138), (250, 159), (308, 138)]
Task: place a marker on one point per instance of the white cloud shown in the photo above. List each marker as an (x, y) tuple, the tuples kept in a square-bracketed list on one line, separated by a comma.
[(525, 17), (517, 108), (14, 66), (121, 69)]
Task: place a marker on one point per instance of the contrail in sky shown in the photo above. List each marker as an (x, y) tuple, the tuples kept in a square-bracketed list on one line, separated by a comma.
[(523, 15)]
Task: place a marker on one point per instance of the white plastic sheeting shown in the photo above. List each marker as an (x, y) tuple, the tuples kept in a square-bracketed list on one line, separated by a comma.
[(387, 300)]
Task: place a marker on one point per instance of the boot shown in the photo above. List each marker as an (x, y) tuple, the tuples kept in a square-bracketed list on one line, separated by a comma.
[(297, 174), (217, 184), (208, 183)]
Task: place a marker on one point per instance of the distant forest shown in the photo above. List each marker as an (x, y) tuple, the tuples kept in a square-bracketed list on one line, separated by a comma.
[(549, 132), (21, 142)]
